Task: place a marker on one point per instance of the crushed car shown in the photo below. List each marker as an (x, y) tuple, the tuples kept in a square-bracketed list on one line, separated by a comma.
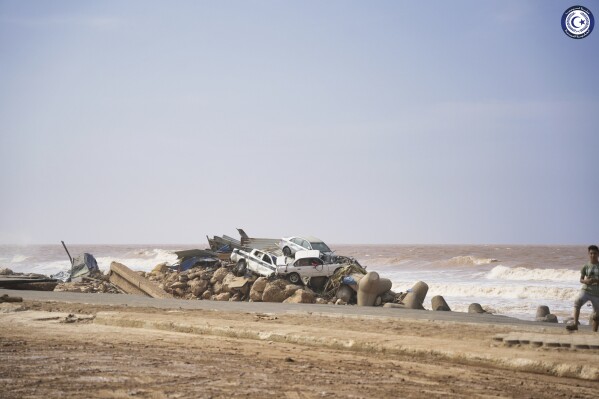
[(256, 261), (291, 245), (307, 264)]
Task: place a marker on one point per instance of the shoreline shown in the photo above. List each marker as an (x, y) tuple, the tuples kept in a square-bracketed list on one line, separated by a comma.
[(374, 347)]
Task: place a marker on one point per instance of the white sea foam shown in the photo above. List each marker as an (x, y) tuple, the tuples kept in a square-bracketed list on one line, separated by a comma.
[(469, 290), (521, 274), (19, 258), (145, 261), (46, 268), (470, 260)]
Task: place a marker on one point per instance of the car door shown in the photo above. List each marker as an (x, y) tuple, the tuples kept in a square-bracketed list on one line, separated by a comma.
[(297, 244)]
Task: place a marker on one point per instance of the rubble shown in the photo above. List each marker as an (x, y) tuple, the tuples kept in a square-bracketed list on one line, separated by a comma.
[(89, 285), (211, 275)]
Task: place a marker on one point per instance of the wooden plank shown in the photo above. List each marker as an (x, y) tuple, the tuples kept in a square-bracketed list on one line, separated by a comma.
[(133, 279)]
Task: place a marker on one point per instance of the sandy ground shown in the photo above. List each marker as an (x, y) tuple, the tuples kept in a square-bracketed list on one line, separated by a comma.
[(118, 352)]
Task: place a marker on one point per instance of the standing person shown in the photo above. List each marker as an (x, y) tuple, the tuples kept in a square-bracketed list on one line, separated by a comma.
[(589, 277)]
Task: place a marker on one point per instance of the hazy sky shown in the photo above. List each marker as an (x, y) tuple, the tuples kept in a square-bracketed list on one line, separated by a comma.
[(355, 121)]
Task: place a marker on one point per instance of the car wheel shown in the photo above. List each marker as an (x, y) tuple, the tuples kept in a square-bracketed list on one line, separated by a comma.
[(241, 268), (286, 251), (295, 278)]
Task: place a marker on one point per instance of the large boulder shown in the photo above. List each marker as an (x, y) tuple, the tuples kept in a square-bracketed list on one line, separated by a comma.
[(388, 296), (225, 296), (274, 291), (198, 287), (345, 293), (257, 289), (160, 268), (207, 294), (290, 289), (300, 296), (219, 275)]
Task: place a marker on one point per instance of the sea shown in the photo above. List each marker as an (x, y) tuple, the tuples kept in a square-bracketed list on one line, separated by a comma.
[(510, 280)]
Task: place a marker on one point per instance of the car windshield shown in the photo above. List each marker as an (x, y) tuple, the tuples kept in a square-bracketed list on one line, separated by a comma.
[(320, 246)]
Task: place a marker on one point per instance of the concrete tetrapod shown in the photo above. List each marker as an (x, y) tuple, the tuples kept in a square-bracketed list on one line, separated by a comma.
[(438, 303), (416, 295), (476, 308), (371, 286)]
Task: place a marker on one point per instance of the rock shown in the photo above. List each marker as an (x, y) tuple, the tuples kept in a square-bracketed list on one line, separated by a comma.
[(345, 293), (274, 291), (438, 304), (160, 268), (207, 294), (217, 288), (236, 297), (225, 296), (257, 289), (542, 311), (5, 271), (172, 277), (179, 292), (320, 301), (183, 278), (300, 296), (234, 284), (260, 284), (179, 284), (371, 286), (388, 296), (378, 301), (475, 308), (290, 289), (340, 302), (219, 275), (415, 297), (198, 287), (195, 274)]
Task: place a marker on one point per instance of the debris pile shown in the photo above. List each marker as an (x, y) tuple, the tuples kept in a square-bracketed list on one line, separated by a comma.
[(98, 283)]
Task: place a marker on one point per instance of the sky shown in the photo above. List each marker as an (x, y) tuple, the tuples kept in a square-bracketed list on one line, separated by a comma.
[(404, 122)]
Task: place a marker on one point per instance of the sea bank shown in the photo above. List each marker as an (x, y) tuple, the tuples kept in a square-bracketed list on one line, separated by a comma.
[(166, 347)]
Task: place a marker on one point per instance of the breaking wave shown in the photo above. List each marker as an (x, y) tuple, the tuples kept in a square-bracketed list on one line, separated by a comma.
[(520, 274), (470, 260), (143, 260), (499, 292)]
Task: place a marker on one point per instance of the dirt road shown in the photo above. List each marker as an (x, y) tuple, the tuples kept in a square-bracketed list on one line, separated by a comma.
[(44, 356)]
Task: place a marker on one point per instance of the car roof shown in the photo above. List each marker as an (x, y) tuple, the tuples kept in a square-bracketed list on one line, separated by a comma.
[(307, 238)]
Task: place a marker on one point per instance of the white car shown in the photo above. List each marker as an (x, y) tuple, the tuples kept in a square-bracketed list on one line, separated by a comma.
[(307, 264), (259, 262), (290, 245)]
